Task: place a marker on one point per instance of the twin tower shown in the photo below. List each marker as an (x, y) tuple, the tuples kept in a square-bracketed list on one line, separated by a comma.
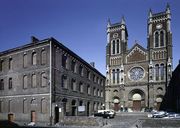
[(137, 78)]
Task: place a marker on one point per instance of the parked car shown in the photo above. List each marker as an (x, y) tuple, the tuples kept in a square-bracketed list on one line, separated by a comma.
[(159, 114), (108, 114), (172, 115)]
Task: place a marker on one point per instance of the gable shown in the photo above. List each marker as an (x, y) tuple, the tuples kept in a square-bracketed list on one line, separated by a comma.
[(136, 54)]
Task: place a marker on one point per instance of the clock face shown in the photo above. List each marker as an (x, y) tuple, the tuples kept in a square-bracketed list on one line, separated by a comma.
[(136, 73)]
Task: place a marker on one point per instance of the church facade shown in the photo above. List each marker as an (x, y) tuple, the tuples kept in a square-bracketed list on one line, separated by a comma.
[(137, 78)]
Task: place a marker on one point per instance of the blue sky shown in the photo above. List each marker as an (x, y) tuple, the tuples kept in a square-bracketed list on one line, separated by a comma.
[(81, 24)]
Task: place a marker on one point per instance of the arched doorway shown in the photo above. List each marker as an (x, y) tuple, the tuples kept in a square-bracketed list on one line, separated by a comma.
[(158, 101), (74, 108), (137, 99), (136, 102), (64, 101), (116, 103)]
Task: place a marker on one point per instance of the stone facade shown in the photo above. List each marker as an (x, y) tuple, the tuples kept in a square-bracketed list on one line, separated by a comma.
[(44, 81), (137, 78)]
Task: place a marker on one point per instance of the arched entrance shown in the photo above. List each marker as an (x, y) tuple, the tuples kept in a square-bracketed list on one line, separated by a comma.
[(116, 103), (136, 102), (158, 101), (137, 99)]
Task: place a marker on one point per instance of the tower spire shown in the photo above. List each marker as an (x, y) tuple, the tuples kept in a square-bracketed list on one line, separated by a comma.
[(109, 23), (123, 20), (168, 8), (150, 13)]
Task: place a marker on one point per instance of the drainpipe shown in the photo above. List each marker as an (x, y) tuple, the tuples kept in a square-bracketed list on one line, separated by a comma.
[(50, 83)]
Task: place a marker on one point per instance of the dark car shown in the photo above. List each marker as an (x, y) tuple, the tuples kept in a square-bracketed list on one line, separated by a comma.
[(100, 114), (108, 115)]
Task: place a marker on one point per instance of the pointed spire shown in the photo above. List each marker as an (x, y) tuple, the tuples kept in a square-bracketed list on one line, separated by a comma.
[(150, 13), (109, 23), (167, 8), (123, 20)]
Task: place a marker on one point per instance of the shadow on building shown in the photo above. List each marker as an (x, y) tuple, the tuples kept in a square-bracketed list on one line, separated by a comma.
[(171, 100)]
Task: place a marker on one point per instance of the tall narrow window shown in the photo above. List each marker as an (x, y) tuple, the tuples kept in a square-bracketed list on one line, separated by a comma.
[(94, 91), (9, 105), (113, 48), (117, 46), (1, 106), (64, 81), (81, 87), (2, 84), (162, 71), (73, 84), (81, 70), (10, 63), (89, 89), (64, 61), (25, 82), (43, 79), (34, 58), (157, 71), (25, 106), (161, 38), (118, 76), (10, 83), (33, 80), (43, 57), (25, 60), (73, 66), (43, 106), (113, 75), (156, 39)]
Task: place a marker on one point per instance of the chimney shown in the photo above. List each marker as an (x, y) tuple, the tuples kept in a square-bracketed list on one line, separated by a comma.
[(92, 64), (34, 40)]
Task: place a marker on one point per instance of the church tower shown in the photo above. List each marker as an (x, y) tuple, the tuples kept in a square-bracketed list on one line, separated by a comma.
[(137, 78), (116, 49), (160, 51)]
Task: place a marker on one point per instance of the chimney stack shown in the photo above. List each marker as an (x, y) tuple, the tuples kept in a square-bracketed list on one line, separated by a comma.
[(34, 39), (92, 64)]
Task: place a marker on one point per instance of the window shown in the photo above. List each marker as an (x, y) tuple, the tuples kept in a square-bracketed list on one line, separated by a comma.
[(43, 57), (43, 79), (64, 81), (1, 106), (73, 84), (98, 92), (157, 71), (117, 46), (88, 75), (64, 61), (89, 89), (161, 38), (25, 82), (156, 39), (33, 80), (73, 66), (94, 91), (25, 60), (34, 58), (25, 106), (101, 93), (10, 63), (94, 78), (81, 87), (10, 83), (43, 106), (162, 71), (9, 105), (81, 70), (117, 75), (113, 47), (2, 84), (113, 74)]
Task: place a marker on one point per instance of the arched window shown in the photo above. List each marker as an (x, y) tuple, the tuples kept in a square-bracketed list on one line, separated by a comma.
[(25, 60), (1, 106), (73, 84), (117, 75), (162, 71), (43, 57), (157, 71), (117, 46), (64, 61), (25, 106), (43, 106), (43, 79), (64, 81), (25, 82), (161, 38), (34, 58), (156, 39), (89, 89), (81, 87), (113, 75), (33, 80), (113, 48)]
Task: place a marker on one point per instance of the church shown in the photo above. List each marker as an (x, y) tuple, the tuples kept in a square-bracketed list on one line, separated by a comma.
[(137, 78)]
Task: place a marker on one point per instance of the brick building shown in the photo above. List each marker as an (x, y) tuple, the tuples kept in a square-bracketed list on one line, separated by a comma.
[(137, 78), (44, 80)]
